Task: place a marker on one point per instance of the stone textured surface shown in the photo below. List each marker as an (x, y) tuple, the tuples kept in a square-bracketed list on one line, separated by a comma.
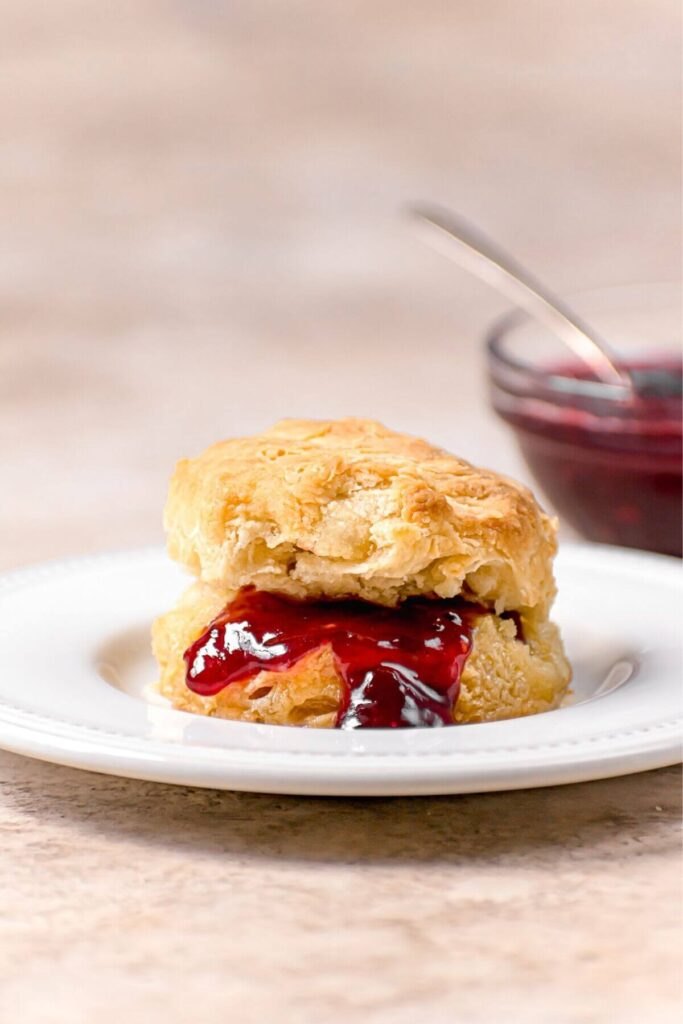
[(132, 901), (199, 234)]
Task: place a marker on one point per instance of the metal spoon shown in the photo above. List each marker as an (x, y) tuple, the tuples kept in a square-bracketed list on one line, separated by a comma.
[(452, 236)]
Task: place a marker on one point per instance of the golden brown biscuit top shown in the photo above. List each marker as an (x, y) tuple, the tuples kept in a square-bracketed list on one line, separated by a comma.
[(347, 507)]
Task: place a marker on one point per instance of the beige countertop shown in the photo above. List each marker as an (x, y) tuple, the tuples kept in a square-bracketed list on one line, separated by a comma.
[(199, 235)]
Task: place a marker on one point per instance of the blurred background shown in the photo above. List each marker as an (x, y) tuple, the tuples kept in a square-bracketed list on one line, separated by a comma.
[(201, 222)]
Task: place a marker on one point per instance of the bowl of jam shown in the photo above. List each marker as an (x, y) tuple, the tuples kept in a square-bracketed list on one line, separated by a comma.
[(608, 460)]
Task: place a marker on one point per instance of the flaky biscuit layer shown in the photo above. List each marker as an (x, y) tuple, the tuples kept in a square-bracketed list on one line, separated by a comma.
[(349, 508), (504, 676)]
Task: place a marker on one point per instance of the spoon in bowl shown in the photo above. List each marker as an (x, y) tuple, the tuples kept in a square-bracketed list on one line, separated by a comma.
[(453, 237)]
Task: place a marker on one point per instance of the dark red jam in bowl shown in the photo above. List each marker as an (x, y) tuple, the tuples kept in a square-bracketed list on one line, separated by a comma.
[(401, 666), (610, 465)]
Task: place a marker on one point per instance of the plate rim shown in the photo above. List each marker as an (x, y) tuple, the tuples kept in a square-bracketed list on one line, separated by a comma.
[(25, 731)]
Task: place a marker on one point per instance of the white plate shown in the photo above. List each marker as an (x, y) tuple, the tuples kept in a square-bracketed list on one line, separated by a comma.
[(74, 652)]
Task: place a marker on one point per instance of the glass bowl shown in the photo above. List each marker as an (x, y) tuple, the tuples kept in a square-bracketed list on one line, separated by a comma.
[(609, 465)]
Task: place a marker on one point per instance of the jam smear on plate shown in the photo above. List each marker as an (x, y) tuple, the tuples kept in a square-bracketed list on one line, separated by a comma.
[(401, 666)]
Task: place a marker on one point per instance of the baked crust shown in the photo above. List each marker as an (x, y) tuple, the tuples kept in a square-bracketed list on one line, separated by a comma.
[(503, 677), (349, 508)]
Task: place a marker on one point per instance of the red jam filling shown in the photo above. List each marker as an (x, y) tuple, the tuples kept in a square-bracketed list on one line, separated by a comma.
[(401, 666)]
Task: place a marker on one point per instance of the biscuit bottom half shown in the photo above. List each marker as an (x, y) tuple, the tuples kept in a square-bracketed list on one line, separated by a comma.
[(505, 676)]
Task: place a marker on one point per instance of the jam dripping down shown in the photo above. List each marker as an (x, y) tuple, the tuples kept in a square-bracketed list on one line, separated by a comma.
[(401, 666)]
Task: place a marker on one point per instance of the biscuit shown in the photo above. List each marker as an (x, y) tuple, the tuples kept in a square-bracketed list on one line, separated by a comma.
[(349, 508)]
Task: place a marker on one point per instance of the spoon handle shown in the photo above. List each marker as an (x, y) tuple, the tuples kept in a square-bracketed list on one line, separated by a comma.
[(454, 238)]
